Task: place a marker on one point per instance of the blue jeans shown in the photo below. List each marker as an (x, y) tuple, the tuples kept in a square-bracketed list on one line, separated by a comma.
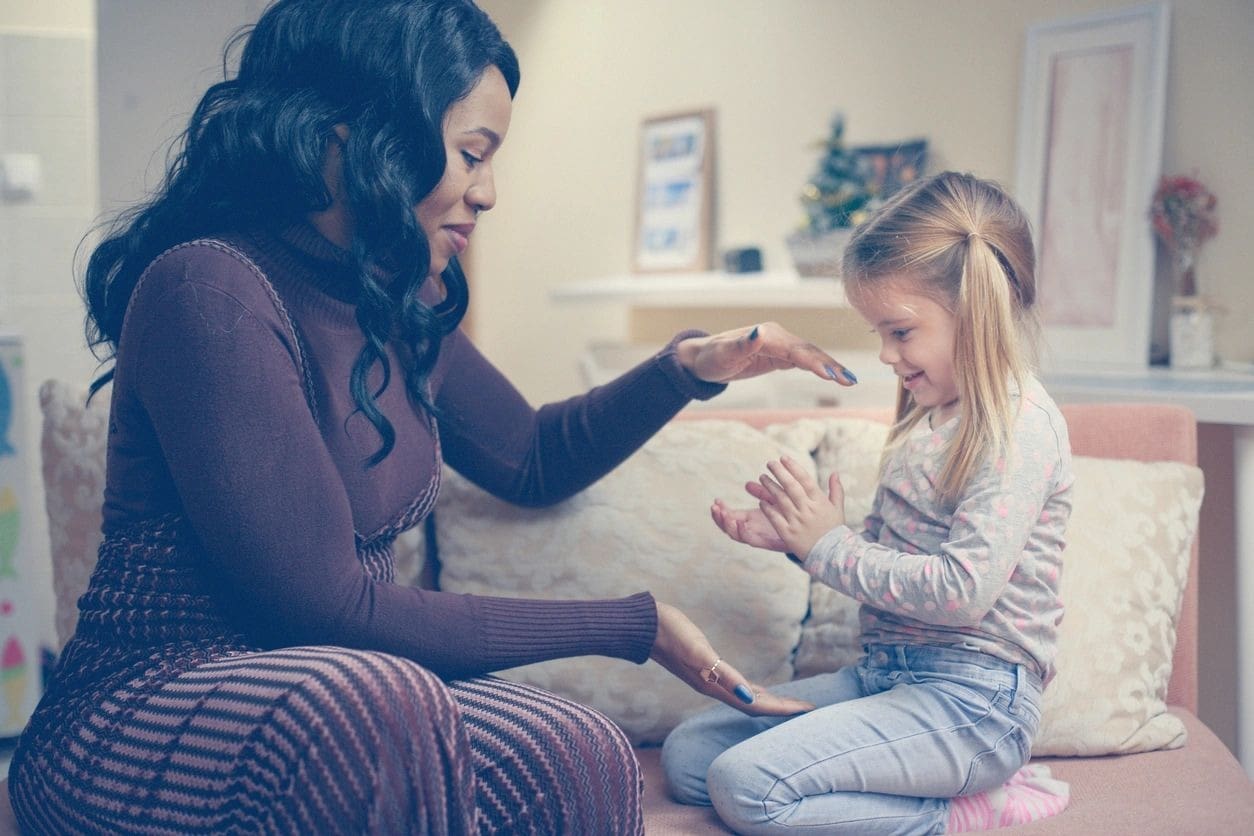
[(890, 741)]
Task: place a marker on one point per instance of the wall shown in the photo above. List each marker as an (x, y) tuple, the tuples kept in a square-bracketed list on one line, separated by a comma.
[(47, 108), (775, 72), (154, 67)]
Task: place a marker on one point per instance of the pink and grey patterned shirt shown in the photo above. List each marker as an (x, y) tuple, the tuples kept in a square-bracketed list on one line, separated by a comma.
[(981, 573)]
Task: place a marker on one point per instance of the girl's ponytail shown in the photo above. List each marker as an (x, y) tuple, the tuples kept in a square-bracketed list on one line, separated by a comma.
[(987, 352)]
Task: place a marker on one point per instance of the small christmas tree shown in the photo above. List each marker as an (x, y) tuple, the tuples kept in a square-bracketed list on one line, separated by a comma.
[(837, 196)]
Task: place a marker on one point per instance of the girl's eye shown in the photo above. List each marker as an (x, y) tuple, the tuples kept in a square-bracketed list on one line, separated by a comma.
[(900, 333), (471, 159)]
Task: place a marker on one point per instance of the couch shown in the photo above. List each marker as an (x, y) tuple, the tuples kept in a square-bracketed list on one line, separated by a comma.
[(1119, 720)]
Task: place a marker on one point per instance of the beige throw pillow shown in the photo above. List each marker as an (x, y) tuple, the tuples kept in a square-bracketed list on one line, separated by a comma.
[(1127, 560), (850, 447), (72, 450), (645, 526)]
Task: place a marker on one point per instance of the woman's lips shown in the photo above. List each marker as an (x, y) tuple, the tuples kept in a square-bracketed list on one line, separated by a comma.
[(460, 236)]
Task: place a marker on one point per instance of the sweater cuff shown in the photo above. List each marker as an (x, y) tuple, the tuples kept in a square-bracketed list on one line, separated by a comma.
[(683, 380), (519, 632)]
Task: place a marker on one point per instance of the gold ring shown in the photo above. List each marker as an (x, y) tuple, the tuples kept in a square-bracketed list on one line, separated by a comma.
[(710, 674)]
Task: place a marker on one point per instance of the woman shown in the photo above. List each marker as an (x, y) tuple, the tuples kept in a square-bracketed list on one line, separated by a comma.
[(286, 388)]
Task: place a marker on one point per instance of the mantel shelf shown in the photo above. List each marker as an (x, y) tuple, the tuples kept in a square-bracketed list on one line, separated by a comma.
[(777, 289)]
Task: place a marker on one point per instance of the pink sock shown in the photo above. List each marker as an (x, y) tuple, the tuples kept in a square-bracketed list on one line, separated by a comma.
[(1030, 794)]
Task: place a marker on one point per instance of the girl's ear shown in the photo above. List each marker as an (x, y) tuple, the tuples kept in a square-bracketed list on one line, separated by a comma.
[(341, 130)]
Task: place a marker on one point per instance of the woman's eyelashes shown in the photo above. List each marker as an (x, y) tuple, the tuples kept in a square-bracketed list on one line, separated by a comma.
[(471, 159)]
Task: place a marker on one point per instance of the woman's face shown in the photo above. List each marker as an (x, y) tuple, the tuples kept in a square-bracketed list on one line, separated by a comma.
[(474, 129)]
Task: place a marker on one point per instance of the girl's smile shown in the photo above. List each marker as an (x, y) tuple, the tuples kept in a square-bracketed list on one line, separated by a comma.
[(916, 340)]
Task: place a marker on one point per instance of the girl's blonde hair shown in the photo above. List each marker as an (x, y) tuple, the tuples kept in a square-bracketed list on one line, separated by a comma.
[(963, 242)]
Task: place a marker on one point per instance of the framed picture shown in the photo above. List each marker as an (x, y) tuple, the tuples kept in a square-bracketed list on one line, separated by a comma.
[(889, 167), (1089, 155), (675, 202)]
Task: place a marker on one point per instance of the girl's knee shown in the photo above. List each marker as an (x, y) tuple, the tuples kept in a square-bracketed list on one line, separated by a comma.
[(745, 794), (684, 762), (695, 743)]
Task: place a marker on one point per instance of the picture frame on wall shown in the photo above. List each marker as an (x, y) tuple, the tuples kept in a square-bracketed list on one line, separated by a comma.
[(891, 167), (675, 193), (1089, 153)]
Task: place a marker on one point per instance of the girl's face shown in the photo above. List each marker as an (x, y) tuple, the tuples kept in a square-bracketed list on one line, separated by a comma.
[(474, 128), (916, 340)]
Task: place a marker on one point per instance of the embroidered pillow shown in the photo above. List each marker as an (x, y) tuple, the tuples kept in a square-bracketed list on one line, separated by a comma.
[(1124, 570), (72, 449)]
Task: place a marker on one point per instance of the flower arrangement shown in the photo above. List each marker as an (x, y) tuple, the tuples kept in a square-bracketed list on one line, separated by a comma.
[(1183, 214)]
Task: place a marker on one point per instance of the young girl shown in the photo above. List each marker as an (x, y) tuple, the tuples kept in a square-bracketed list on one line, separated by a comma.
[(957, 568)]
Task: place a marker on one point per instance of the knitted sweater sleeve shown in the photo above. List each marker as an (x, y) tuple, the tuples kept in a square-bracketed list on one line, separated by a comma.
[(537, 457), (209, 363)]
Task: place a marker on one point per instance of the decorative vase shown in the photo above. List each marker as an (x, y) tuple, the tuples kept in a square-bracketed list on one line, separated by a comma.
[(818, 255), (1191, 333), (1186, 284)]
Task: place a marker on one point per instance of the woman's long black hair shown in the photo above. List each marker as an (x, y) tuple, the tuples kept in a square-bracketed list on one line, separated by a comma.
[(252, 156)]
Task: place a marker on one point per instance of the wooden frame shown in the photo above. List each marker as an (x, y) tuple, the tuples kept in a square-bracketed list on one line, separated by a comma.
[(675, 194), (1089, 156)]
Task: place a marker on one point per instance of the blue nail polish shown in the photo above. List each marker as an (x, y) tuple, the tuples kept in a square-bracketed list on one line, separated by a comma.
[(830, 372), (742, 691), (753, 335), (850, 376)]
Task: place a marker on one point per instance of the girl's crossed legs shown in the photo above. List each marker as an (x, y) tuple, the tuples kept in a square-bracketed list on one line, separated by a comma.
[(890, 741)]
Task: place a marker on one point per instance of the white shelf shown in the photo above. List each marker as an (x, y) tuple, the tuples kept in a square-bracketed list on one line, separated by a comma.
[(777, 289), (1216, 396)]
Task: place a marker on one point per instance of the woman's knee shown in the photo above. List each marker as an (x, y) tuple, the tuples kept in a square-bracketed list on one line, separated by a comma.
[(563, 767), (388, 727)]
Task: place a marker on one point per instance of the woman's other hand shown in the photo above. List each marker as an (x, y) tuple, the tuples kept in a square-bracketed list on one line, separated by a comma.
[(749, 352), (683, 650)]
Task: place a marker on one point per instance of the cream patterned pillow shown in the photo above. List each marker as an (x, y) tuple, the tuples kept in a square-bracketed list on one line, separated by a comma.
[(645, 526), (1129, 543), (72, 450), (850, 447)]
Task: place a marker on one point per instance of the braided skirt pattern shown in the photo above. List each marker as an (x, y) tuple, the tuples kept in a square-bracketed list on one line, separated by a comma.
[(163, 720)]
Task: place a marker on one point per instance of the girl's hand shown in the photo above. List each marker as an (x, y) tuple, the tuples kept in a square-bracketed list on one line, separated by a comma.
[(683, 650), (749, 352), (799, 511), (747, 525)]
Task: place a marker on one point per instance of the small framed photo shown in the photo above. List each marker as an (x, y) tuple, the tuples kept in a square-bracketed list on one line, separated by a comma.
[(1089, 154), (889, 167), (675, 194)]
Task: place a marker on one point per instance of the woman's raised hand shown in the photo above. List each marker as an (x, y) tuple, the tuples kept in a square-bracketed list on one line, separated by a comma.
[(683, 650), (758, 349)]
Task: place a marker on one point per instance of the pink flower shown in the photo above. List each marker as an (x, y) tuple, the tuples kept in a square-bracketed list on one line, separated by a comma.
[(1183, 213)]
